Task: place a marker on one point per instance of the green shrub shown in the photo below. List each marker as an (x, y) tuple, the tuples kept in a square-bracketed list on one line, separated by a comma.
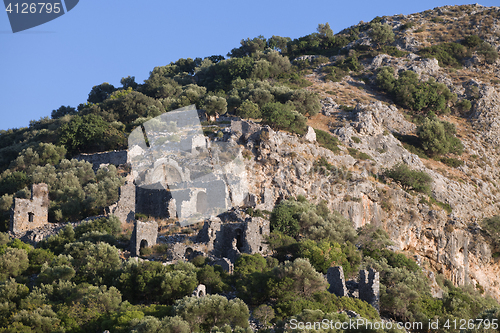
[(464, 105), (381, 33), (448, 54), (334, 73), (410, 93), (488, 52), (350, 63), (204, 313), (346, 108), (407, 25), (285, 217), (319, 60), (451, 162), (213, 278), (410, 179), (264, 314), (393, 51), (13, 262), (248, 109), (358, 155), (322, 166), (56, 243), (141, 217), (372, 238), (438, 137), (491, 226), (110, 225), (355, 139), (472, 41), (283, 117)]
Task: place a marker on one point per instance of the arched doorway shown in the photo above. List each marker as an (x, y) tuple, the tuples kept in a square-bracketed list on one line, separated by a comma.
[(172, 175), (188, 254), (143, 245)]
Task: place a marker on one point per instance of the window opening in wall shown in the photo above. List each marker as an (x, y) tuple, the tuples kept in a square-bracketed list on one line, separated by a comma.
[(30, 217), (239, 240)]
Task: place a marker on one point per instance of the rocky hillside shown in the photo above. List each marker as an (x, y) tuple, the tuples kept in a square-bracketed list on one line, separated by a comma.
[(441, 230)]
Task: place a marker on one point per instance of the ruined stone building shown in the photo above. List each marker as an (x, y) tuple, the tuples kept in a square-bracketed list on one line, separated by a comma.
[(29, 214), (367, 288), (125, 207), (225, 239), (179, 173), (144, 235)]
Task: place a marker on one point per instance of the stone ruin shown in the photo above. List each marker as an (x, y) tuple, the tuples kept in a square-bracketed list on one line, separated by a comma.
[(367, 288), (144, 235), (116, 157), (125, 207), (224, 241), (29, 214), (200, 291), (179, 173)]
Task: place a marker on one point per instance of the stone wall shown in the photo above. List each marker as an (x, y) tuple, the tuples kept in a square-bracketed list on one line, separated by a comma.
[(124, 209), (117, 157), (366, 289), (28, 214), (225, 239), (335, 277), (369, 287), (144, 235), (153, 201)]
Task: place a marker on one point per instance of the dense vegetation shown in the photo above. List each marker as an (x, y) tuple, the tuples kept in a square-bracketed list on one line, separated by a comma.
[(80, 284)]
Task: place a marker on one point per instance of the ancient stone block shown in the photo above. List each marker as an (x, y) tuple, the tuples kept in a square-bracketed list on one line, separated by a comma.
[(335, 277), (369, 287), (28, 214)]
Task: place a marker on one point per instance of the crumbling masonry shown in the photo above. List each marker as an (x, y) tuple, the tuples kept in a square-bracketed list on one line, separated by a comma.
[(366, 289), (29, 214), (144, 235), (225, 240)]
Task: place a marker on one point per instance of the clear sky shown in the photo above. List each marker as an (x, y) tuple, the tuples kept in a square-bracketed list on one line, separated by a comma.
[(59, 62)]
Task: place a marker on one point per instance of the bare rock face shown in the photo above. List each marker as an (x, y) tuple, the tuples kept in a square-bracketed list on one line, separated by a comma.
[(284, 166), (486, 114), (371, 125), (310, 135), (424, 67), (409, 43)]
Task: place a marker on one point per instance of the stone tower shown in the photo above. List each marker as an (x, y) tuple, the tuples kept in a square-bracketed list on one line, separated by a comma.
[(28, 214)]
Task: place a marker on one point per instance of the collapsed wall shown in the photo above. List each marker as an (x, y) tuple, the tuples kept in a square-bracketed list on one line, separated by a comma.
[(226, 239), (367, 288), (116, 158)]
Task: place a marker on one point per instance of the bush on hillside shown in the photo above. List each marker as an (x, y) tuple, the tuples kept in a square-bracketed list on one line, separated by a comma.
[(410, 179), (438, 137)]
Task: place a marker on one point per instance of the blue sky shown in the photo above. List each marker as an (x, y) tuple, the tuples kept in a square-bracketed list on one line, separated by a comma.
[(59, 62)]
